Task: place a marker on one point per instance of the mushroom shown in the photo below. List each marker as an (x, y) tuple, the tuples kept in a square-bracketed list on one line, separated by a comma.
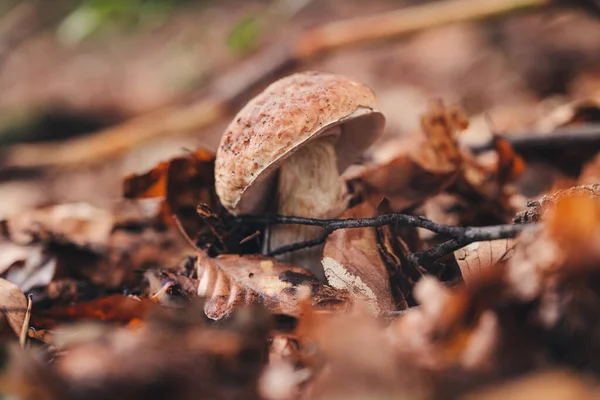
[(285, 150)]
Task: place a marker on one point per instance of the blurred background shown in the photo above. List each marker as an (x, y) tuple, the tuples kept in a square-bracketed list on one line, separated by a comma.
[(91, 90)]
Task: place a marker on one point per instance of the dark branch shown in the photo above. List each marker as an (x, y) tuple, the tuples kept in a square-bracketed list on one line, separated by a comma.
[(300, 245), (439, 251), (351, 223), (460, 236)]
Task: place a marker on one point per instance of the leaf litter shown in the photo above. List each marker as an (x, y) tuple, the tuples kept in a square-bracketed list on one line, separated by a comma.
[(165, 295)]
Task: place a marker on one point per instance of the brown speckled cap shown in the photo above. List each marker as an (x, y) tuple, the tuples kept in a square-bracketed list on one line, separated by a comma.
[(284, 117)]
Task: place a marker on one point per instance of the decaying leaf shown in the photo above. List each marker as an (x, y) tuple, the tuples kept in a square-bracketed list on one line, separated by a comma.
[(117, 309), (79, 223), (481, 256), (13, 305), (231, 281), (509, 165), (78, 241), (26, 266), (183, 183), (351, 262), (413, 169)]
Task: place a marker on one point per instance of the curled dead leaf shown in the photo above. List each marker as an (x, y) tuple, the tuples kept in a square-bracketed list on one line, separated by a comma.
[(231, 281), (416, 168), (351, 262), (183, 183), (478, 257)]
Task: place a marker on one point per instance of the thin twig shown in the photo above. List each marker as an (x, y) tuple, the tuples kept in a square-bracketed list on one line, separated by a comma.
[(300, 245), (155, 298), (437, 252), (457, 232), (460, 236), (183, 233)]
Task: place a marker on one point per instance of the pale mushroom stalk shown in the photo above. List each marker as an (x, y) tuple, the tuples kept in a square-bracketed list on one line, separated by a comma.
[(309, 185)]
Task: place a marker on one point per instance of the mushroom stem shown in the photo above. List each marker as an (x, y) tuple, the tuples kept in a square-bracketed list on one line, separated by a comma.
[(309, 185)]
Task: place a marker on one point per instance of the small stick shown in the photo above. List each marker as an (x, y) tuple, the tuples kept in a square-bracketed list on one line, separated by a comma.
[(460, 236), (25, 328), (300, 245), (330, 225), (250, 237), (183, 233), (162, 291)]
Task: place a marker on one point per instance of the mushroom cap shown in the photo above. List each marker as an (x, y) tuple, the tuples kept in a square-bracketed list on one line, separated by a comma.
[(287, 115)]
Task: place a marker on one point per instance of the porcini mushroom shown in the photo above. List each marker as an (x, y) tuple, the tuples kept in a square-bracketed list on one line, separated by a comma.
[(286, 149)]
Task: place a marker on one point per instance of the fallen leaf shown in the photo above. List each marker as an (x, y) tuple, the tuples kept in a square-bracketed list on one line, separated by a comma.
[(81, 242), (117, 309), (183, 183), (351, 262), (412, 169), (79, 223), (510, 165), (13, 305), (232, 281), (481, 256)]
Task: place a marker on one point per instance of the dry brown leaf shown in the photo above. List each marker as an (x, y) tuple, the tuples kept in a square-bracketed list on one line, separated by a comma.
[(419, 167), (481, 256), (81, 242), (117, 309), (13, 305), (509, 165), (79, 223), (352, 263), (232, 281), (183, 183)]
